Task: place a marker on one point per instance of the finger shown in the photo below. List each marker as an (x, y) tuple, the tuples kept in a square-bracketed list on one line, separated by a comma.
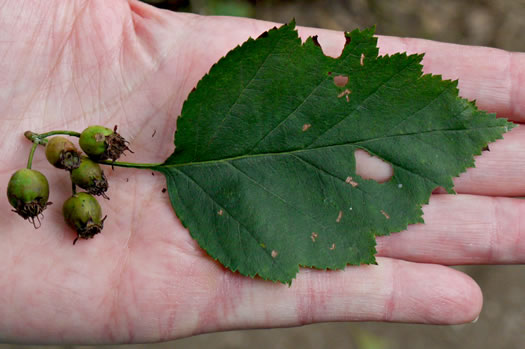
[(191, 302), (463, 229), (498, 171), (493, 77), (150, 301), (393, 290)]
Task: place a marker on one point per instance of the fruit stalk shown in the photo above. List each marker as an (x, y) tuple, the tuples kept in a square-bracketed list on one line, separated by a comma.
[(40, 138), (31, 155)]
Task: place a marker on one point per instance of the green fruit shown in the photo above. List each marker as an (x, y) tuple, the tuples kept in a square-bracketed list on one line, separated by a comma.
[(82, 212), (28, 192), (93, 141), (90, 177), (61, 153), (101, 143)]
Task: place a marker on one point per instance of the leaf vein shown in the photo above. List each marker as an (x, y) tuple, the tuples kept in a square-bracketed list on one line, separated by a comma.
[(327, 173), (270, 192), (410, 116), (242, 92), (291, 114), (360, 105), (240, 224)]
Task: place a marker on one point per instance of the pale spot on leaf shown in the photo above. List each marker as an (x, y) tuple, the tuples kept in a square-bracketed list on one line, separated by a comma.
[(220, 212), (332, 247), (385, 214), (350, 180), (339, 216), (274, 253), (400, 185), (314, 236), (306, 127), (346, 92), (362, 60)]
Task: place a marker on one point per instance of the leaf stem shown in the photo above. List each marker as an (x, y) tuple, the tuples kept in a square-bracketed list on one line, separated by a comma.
[(127, 164), (31, 154)]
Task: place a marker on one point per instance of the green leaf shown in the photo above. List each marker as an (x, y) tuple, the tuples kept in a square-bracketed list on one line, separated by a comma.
[(263, 174)]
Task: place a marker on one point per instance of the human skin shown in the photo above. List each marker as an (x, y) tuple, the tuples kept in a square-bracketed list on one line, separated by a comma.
[(71, 64)]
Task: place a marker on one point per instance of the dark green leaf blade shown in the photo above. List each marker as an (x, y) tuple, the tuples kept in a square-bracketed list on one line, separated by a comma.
[(263, 174)]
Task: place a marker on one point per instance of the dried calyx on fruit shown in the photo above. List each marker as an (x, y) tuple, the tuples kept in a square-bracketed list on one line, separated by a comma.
[(90, 177), (82, 212), (61, 153), (28, 192), (101, 143)]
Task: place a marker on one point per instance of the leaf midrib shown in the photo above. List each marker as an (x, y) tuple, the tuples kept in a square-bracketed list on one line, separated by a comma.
[(298, 151)]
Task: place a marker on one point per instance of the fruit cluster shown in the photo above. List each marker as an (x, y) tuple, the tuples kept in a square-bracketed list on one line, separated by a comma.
[(28, 189)]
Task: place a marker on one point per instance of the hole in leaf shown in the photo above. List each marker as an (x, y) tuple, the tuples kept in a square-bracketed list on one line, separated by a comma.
[(340, 80), (368, 166)]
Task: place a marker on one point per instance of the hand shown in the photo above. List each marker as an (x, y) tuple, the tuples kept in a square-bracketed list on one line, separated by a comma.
[(67, 65)]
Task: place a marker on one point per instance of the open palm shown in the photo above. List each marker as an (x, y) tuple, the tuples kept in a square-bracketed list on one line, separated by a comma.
[(68, 65)]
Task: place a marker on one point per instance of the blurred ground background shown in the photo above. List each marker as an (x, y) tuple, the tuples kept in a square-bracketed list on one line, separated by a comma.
[(497, 23)]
